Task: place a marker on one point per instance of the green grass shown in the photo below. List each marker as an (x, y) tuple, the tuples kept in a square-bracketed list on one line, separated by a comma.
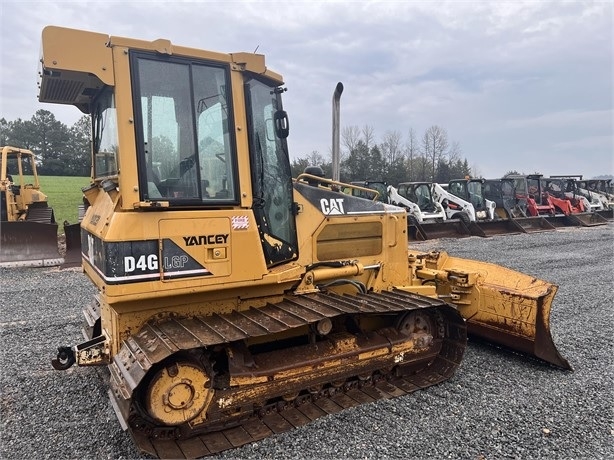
[(64, 196)]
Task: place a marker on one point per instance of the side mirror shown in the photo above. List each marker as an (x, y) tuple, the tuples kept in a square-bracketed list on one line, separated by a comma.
[(282, 126)]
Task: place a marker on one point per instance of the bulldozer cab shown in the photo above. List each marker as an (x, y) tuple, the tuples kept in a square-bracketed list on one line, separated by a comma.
[(19, 184), (183, 148)]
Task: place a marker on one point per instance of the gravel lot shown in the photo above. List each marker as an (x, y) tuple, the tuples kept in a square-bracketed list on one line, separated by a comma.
[(498, 405)]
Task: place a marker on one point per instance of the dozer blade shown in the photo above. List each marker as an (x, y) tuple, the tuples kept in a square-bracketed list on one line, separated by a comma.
[(500, 305), (72, 258), (452, 228), (29, 244)]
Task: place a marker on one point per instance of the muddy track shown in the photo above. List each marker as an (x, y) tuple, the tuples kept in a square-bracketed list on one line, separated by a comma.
[(264, 409)]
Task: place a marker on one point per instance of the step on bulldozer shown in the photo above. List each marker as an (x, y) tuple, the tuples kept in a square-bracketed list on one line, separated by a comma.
[(235, 302), (28, 231)]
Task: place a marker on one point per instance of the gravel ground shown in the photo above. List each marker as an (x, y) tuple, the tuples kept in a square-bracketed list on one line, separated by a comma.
[(498, 405)]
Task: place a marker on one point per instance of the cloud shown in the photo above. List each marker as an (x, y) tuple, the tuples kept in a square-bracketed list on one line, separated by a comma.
[(563, 120), (510, 81)]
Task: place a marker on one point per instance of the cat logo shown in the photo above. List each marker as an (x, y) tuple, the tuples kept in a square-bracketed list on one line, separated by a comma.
[(332, 207)]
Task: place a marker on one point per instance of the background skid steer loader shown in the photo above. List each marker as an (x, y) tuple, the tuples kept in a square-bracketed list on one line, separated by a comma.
[(426, 219), (28, 231), (513, 207), (467, 196), (576, 207), (530, 189), (602, 190), (594, 202), (431, 221)]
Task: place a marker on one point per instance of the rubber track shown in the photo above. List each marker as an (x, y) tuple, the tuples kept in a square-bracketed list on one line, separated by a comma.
[(156, 341)]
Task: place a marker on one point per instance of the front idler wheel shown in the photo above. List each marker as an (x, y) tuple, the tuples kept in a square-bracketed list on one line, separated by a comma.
[(178, 393)]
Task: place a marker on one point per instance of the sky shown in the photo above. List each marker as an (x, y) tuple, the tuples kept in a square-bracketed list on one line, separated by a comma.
[(518, 85)]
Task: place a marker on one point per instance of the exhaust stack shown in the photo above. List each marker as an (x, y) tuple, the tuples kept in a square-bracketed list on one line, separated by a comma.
[(336, 124)]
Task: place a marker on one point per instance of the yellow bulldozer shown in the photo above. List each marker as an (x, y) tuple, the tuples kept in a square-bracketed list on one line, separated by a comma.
[(235, 302), (28, 231)]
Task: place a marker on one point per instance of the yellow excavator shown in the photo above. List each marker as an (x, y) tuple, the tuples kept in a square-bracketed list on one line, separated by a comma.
[(235, 302), (28, 231)]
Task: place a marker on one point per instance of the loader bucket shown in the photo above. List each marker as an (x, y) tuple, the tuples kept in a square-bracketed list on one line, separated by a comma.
[(499, 227), (606, 213), (415, 232), (502, 306), (29, 244), (588, 219), (452, 228), (476, 230), (72, 233), (534, 224), (561, 220)]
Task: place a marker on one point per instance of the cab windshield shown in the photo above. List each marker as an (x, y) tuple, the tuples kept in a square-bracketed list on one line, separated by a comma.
[(419, 194), (458, 188), (474, 190)]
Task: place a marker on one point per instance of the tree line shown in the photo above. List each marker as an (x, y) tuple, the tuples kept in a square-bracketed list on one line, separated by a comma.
[(431, 158), (65, 151), (60, 150)]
